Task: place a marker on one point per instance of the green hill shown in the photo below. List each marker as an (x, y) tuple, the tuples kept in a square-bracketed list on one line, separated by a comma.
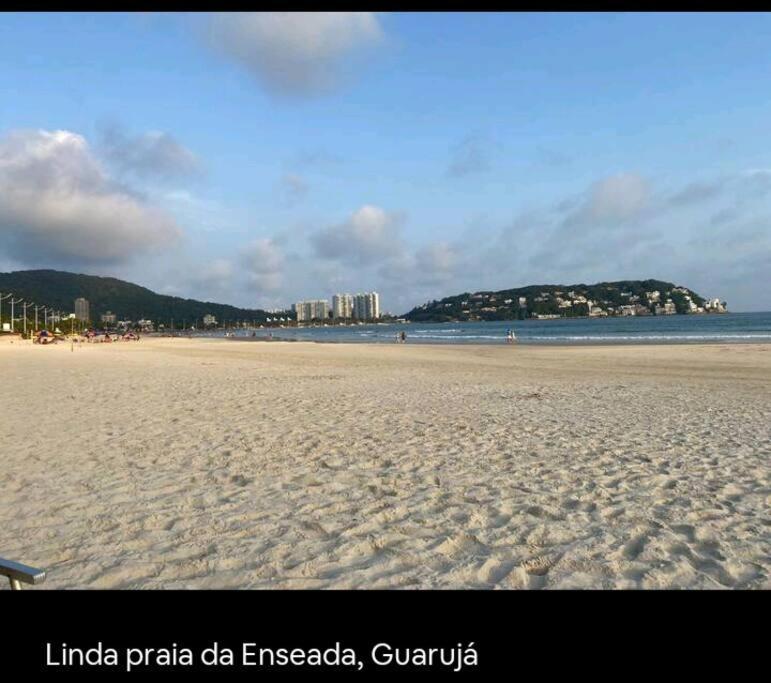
[(625, 297), (58, 290)]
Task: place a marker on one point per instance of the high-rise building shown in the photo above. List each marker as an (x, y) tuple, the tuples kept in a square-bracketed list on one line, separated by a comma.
[(342, 306), (366, 306), (81, 309), (318, 309)]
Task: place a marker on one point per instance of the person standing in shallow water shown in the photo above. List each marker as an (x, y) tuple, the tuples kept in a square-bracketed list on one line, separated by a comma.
[(404, 337)]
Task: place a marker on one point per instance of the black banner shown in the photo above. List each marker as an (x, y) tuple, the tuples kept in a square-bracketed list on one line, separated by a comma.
[(376, 634)]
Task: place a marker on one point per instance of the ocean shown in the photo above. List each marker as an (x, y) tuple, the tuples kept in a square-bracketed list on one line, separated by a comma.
[(672, 329)]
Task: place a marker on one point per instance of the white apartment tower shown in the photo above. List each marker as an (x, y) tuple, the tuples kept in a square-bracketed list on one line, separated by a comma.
[(366, 306), (82, 309), (311, 310), (342, 306)]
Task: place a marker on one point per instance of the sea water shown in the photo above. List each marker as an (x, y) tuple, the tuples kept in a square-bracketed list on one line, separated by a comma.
[(670, 329)]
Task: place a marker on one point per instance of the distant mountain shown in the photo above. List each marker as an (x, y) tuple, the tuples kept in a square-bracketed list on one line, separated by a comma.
[(58, 290), (626, 297)]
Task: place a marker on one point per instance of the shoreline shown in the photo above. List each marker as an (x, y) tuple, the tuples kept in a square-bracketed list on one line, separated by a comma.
[(556, 344), (668, 342)]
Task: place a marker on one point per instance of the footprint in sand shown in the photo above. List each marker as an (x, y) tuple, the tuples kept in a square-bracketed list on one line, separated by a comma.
[(461, 544), (494, 570), (685, 530), (241, 480), (634, 547)]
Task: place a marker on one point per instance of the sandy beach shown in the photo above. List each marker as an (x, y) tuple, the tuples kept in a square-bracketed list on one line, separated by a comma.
[(177, 463)]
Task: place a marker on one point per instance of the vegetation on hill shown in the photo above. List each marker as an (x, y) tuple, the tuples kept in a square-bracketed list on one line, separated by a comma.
[(625, 297), (58, 290)]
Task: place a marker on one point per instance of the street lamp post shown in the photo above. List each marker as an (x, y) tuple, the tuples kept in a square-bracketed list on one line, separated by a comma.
[(24, 308), (38, 308), (72, 331), (13, 321), (2, 298)]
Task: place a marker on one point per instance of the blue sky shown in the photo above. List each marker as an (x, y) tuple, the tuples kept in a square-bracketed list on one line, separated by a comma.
[(260, 159)]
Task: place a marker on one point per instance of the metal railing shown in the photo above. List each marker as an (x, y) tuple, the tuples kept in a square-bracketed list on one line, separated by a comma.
[(18, 573)]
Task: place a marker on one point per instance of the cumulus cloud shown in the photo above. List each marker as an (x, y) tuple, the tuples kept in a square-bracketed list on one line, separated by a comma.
[(263, 260), (431, 264), (213, 276), (57, 204), (154, 155), (616, 198), (441, 257), (295, 53), (370, 234)]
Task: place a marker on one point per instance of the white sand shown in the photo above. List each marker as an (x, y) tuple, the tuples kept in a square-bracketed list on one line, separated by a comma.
[(221, 464)]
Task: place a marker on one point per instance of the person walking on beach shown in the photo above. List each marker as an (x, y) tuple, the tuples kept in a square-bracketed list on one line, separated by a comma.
[(509, 336), (404, 337)]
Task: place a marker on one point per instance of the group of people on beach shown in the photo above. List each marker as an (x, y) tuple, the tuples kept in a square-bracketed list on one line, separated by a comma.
[(401, 337), (45, 337), (105, 337)]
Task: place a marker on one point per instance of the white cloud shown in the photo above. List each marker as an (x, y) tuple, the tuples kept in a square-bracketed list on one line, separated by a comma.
[(432, 264), (295, 53), (153, 154), (441, 257), (370, 234), (264, 262), (212, 276), (616, 198), (57, 204)]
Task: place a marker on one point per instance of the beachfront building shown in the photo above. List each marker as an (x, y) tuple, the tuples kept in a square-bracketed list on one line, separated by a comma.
[(209, 320), (714, 306), (317, 309), (109, 318), (82, 309), (366, 306), (667, 309), (342, 306)]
